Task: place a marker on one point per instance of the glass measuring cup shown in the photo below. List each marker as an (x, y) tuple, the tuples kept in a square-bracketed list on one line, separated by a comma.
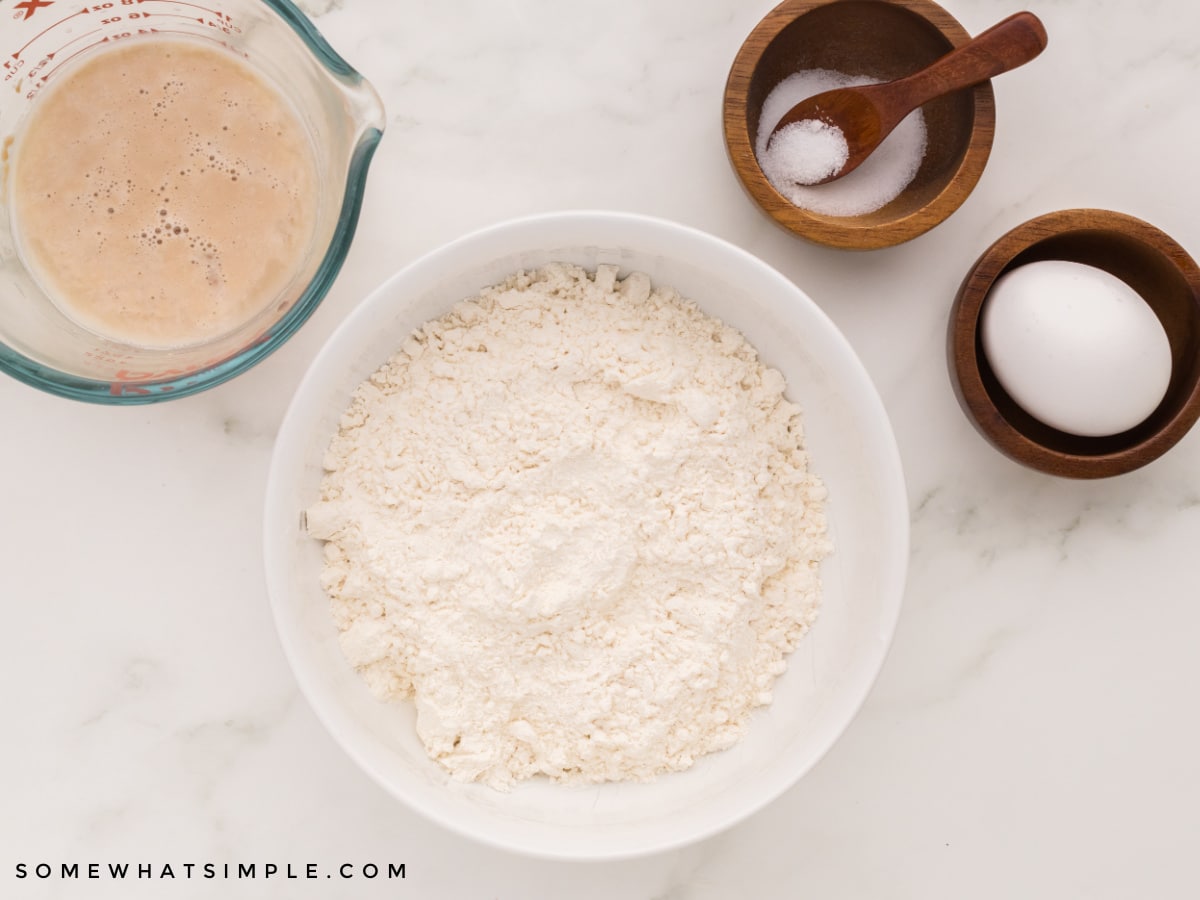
[(343, 114)]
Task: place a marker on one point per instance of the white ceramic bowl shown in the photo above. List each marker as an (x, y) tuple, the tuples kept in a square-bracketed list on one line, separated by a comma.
[(852, 448)]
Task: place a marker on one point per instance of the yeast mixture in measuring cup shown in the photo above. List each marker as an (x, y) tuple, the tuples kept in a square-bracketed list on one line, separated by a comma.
[(164, 192)]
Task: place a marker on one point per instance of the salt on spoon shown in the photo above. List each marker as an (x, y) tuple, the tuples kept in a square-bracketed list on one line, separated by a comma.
[(871, 186), (861, 117), (815, 151)]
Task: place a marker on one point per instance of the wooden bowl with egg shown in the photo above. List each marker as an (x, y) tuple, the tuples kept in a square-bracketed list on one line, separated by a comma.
[(1158, 270), (881, 40)]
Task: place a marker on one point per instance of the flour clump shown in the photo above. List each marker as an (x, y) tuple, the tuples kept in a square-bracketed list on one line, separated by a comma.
[(573, 519)]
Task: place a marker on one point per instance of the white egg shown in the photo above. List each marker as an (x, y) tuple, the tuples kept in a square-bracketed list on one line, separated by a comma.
[(1076, 347)]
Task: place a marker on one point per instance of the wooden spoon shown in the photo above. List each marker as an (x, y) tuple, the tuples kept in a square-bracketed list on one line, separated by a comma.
[(866, 115)]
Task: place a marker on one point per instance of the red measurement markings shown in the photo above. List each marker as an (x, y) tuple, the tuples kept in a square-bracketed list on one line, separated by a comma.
[(226, 26), (132, 17), (206, 37), (214, 39), (33, 73), (207, 9), (40, 81), (28, 7), (54, 53), (79, 12), (121, 383)]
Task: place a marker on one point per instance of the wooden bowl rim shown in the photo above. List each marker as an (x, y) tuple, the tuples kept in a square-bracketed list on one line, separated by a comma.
[(849, 233), (963, 347)]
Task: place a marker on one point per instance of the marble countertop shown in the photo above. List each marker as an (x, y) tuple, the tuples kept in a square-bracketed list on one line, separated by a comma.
[(1034, 732)]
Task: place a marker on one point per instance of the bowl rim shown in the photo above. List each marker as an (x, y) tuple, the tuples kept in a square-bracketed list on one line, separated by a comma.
[(894, 504), (964, 351), (848, 233)]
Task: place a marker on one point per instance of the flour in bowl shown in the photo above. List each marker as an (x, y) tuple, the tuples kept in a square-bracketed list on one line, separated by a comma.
[(572, 519)]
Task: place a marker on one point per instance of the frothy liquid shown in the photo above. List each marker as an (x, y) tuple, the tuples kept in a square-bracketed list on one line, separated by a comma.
[(163, 192)]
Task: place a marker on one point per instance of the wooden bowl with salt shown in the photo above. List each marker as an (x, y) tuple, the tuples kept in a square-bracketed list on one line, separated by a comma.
[(877, 39)]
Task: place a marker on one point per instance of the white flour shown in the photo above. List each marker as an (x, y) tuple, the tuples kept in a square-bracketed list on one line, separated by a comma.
[(573, 519)]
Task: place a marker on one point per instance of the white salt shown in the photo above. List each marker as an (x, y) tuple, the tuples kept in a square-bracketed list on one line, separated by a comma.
[(874, 184), (808, 151)]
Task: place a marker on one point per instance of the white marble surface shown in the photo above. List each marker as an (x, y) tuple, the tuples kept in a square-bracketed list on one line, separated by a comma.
[(1035, 732)]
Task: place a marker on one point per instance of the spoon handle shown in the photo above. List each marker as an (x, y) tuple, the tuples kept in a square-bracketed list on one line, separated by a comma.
[(1006, 45)]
